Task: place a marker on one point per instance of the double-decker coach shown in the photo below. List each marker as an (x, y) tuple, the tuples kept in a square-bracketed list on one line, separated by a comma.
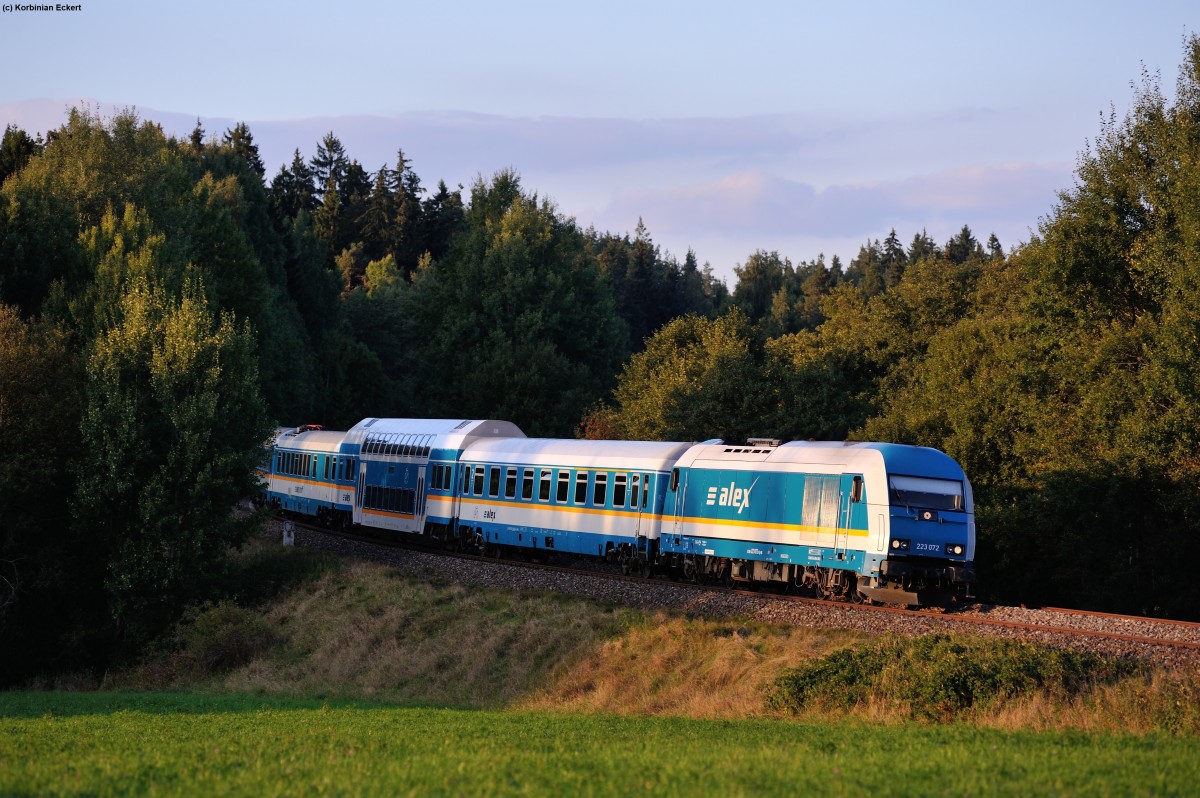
[(408, 468)]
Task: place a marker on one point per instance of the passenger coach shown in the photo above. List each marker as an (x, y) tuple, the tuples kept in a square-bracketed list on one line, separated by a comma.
[(594, 498)]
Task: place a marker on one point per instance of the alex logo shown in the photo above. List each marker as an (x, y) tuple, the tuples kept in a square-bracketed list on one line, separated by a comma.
[(732, 496)]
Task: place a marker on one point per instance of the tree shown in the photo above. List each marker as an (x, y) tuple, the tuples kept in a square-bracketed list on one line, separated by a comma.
[(893, 259), (759, 279), (15, 151), (50, 585), (240, 140), (442, 214), (515, 321), (696, 379), (173, 427), (329, 164), (291, 192), (963, 246)]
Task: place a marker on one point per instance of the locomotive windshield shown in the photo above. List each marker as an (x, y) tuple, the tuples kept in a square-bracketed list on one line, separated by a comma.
[(932, 494)]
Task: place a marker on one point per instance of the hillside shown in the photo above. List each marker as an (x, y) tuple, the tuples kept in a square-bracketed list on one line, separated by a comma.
[(311, 625)]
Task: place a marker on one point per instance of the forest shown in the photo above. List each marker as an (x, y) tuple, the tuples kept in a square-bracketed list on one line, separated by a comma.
[(164, 304)]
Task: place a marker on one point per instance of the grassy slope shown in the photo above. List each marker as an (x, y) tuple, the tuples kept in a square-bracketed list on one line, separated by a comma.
[(315, 626)]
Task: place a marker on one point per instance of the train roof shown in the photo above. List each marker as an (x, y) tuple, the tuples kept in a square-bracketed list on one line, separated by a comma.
[(309, 438), (895, 458), (619, 455), (444, 433)]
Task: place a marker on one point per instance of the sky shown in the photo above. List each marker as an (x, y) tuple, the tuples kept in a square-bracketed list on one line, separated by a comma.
[(800, 127)]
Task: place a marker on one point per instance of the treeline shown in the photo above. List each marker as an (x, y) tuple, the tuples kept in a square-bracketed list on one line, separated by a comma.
[(163, 305)]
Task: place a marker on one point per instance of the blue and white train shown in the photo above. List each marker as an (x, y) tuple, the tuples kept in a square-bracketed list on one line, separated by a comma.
[(863, 521)]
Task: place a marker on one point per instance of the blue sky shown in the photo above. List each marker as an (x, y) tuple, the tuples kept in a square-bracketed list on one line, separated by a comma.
[(728, 127)]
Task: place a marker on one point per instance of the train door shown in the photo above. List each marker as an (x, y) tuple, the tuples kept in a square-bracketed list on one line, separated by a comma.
[(644, 518), (360, 491), (635, 499), (846, 497), (679, 486), (420, 508)]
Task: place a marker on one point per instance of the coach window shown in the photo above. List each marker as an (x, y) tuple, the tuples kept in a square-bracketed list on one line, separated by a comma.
[(478, 490), (493, 481), (581, 480), (510, 483), (527, 484), (600, 489), (466, 484), (646, 492), (619, 490), (564, 486), (634, 495), (544, 485)]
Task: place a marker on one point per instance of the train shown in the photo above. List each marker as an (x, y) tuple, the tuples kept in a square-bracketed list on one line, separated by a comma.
[(873, 522)]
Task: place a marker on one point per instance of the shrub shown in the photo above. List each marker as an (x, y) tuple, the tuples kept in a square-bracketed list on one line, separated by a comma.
[(940, 677), (215, 638)]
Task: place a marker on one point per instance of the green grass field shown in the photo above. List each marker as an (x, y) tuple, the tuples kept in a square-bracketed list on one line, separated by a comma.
[(174, 743)]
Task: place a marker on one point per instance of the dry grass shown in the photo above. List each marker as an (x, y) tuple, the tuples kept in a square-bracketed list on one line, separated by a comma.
[(675, 666), (362, 631), (1161, 702)]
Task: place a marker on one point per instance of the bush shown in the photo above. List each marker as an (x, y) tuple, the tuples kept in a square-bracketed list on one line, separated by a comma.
[(941, 677), (216, 638)]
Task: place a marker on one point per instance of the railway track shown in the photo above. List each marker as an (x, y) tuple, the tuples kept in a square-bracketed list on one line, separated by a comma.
[(1172, 643)]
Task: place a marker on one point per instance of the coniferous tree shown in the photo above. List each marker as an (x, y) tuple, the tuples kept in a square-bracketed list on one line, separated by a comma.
[(329, 164), (240, 140), (15, 151)]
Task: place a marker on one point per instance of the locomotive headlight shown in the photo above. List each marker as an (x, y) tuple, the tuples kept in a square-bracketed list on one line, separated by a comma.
[(899, 544), (954, 549)]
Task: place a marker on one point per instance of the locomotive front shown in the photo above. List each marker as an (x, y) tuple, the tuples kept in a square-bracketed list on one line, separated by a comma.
[(928, 528)]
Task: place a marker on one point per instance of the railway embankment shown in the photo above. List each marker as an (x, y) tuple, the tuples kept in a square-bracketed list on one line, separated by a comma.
[(336, 618)]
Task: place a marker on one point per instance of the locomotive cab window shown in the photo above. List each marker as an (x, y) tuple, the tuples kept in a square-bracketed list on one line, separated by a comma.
[(925, 492)]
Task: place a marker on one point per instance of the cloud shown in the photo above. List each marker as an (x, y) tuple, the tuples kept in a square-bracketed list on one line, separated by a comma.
[(760, 203), (731, 185)]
